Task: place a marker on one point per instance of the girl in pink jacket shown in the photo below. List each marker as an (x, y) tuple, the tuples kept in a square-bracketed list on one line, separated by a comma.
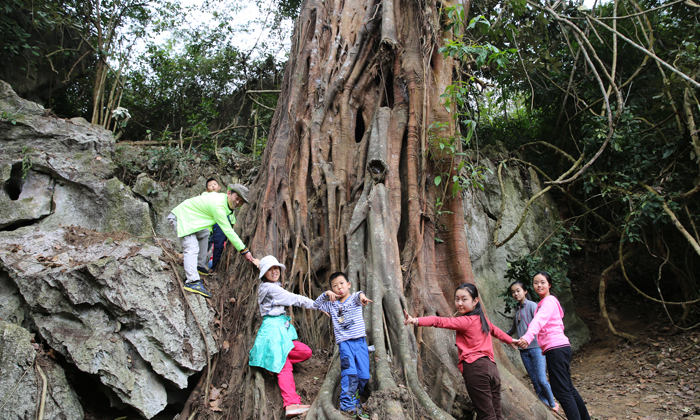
[(548, 326)]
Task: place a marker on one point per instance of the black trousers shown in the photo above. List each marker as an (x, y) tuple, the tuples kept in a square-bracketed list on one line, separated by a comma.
[(484, 387), (217, 238), (559, 369)]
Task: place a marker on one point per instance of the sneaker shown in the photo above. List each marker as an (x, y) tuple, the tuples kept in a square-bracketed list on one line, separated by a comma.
[(197, 287), (295, 409), (203, 271)]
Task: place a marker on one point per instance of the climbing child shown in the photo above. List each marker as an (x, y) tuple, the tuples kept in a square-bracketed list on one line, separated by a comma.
[(345, 310), (548, 326), (476, 358), (532, 357), (276, 347), (217, 238)]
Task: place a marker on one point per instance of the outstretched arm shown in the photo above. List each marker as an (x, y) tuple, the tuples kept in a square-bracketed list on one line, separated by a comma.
[(409, 319), (281, 297)]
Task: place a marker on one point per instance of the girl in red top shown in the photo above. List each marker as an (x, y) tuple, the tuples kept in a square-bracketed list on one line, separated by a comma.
[(476, 360)]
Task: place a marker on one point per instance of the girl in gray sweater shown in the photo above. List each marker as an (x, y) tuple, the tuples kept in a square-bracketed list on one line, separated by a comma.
[(532, 357)]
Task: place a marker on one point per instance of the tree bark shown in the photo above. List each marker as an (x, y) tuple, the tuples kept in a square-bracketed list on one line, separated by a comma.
[(346, 185)]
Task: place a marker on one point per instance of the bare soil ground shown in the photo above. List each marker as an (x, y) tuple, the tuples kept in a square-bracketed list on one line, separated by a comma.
[(652, 378)]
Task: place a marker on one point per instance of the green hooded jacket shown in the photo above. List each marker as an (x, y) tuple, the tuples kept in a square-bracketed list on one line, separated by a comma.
[(202, 212)]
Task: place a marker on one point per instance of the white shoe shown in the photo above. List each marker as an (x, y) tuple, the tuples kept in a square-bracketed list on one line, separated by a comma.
[(296, 409)]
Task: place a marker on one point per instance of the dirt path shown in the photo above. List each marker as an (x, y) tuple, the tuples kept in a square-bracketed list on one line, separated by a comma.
[(653, 377)]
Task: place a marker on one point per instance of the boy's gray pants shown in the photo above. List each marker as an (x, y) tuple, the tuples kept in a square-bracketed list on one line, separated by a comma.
[(194, 250)]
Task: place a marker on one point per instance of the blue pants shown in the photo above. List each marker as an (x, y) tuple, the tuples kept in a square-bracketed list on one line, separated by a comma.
[(217, 238), (354, 371), (536, 366)]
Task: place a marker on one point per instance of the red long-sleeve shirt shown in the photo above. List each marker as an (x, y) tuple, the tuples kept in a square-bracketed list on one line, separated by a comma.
[(471, 341)]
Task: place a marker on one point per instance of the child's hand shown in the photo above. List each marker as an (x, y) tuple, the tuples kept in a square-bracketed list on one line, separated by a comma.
[(256, 262), (521, 343), (331, 296), (363, 299), (409, 319), (327, 314)]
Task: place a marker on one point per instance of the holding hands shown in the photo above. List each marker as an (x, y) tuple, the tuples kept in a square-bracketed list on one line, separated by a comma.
[(521, 343), (409, 319)]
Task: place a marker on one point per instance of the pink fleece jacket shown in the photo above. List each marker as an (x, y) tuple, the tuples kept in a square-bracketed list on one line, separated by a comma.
[(548, 325)]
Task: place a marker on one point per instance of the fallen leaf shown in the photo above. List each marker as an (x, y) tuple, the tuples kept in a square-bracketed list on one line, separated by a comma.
[(214, 394), (225, 345), (214, 405)]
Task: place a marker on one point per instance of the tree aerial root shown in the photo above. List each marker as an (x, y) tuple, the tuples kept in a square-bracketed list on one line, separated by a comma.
[(325, 394), (44, 386), (194, 395), (604, 277)]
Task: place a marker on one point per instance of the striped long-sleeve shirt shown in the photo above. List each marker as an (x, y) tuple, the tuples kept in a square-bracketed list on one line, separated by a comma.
[(347, 316)]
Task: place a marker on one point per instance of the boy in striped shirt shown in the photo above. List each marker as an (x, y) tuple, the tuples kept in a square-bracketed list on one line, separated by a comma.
[(345, 310)]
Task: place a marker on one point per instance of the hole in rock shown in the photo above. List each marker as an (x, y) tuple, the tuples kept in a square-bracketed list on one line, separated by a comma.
[(97, 406), (13, 186)]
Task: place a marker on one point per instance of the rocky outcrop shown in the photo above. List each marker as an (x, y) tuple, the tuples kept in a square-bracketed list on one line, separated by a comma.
[(481, 209), (21, 380), (74, 268)]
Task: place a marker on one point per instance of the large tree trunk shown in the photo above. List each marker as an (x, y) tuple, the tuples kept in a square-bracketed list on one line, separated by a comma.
[(346, 184)]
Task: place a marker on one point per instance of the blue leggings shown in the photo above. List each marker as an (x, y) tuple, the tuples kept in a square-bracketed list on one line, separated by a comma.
[(354, 371), (536, 366)]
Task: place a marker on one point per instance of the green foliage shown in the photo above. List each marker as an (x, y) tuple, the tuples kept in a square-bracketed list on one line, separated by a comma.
[(8, 118), (552, 256), (458, 172), (548, 110), (199, 87), (21, 20)]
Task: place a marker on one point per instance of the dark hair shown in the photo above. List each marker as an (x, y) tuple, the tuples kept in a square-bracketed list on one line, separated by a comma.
[(521, 284), (335, 276), (471, 289), (206, 184), (545, 275)]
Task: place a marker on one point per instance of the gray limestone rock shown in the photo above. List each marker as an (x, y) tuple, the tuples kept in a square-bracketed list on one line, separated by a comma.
[(112, 309), (481, 210), (72, 271), (21, 382)]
